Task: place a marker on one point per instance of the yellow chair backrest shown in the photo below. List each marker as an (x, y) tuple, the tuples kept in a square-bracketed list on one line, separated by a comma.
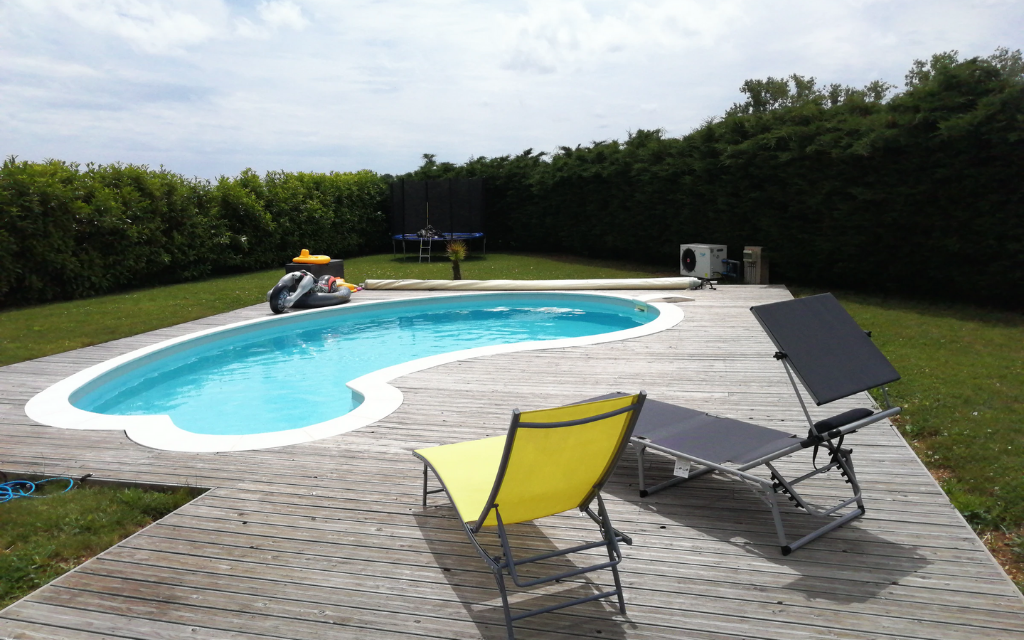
[(548, 470)]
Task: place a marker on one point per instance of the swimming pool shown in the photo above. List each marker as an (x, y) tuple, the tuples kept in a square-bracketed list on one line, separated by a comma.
[(309, 375)]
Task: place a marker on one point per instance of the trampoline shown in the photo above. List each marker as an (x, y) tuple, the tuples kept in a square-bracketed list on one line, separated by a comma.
[(412, 237), (452, 206)]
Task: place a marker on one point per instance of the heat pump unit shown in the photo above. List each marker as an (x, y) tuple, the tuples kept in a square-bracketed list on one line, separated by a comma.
[(701, 260)]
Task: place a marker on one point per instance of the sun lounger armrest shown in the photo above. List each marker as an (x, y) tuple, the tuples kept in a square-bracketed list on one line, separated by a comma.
[(866, 417), (841, 420)]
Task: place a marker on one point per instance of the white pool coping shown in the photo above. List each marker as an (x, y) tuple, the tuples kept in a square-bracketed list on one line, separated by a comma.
[(52, 406)]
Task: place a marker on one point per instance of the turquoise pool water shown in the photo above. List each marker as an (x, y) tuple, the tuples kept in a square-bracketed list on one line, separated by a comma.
[(292, 372)]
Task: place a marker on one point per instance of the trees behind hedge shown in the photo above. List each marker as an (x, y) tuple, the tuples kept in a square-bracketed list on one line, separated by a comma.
[(921, 193), (68, 232)]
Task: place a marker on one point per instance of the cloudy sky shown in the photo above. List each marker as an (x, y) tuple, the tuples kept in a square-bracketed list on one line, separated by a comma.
[(209, 87)]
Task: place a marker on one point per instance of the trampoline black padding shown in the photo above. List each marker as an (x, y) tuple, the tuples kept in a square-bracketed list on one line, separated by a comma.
[(448, 236), (829, 353)]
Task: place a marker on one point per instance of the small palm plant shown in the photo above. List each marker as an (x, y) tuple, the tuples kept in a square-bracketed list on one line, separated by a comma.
[(456, 253)]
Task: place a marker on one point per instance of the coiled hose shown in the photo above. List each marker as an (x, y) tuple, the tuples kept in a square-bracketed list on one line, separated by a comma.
[(24, 488)]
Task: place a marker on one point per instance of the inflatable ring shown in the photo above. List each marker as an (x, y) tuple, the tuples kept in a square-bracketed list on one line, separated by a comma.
[(298, 289), (314, 300), (305, 258)]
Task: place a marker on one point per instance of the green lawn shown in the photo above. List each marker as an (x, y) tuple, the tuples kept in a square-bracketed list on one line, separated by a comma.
[(497, 266), (962, 393), (41, 539), (34, 332)]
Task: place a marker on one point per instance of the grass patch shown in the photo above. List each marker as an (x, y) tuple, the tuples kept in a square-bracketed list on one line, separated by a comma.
[(43, 538), (962, 394), (34, 332), (498, 266)]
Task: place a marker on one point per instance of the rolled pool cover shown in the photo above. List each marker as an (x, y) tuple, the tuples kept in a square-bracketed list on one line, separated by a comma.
[(606, 284)]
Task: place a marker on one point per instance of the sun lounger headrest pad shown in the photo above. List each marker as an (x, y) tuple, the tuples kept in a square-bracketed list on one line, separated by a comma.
[(830, 354), (841, 420)]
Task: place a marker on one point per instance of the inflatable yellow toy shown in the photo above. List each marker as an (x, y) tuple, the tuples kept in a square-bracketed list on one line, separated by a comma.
[(305, 258)]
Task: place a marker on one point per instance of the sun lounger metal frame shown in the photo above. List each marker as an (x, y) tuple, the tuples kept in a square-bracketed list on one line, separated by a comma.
[(768, 491), (827, 434)]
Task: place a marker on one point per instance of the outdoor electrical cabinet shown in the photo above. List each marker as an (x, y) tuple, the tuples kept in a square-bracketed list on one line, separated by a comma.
[(755, 266), (701, 260)]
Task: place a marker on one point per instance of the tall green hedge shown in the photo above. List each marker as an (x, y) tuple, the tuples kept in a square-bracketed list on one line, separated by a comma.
[(920, 194), (68, 233)]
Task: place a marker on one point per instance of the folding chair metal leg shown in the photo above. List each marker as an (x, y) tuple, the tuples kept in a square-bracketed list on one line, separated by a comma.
[(844, 461), (613, 549), (640, 468), (425, 492), (645, 491), (500, 579), (509, 563), (618, 534), (769, 491), (835, 524), (780, 530)]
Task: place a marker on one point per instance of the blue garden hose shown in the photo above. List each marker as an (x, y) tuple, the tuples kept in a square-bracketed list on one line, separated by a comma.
[(24, 488)]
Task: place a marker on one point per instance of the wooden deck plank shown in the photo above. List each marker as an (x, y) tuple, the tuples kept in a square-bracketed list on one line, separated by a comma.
[(327, 539)]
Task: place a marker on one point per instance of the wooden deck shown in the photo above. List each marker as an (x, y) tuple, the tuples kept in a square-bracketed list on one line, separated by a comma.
[(328, 539)]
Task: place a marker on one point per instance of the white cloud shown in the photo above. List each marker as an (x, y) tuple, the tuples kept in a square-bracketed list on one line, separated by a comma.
[(45, 67), (573, 34), (211, 86), (151, 26), (282, 13), (274, 15)]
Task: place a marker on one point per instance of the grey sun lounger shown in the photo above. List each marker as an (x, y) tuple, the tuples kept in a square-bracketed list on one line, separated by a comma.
[(818, 344)]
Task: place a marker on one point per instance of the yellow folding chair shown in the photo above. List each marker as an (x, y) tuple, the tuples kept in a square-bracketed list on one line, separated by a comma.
[(551, 460)]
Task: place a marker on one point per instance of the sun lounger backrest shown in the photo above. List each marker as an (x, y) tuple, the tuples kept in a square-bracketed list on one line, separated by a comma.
[(829, 353), (550, 469)]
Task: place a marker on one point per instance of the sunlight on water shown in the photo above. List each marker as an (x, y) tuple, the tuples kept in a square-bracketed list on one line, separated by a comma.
[(282, 378)]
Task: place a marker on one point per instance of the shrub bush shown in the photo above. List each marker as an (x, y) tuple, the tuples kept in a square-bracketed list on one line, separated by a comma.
[(68, 233)]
